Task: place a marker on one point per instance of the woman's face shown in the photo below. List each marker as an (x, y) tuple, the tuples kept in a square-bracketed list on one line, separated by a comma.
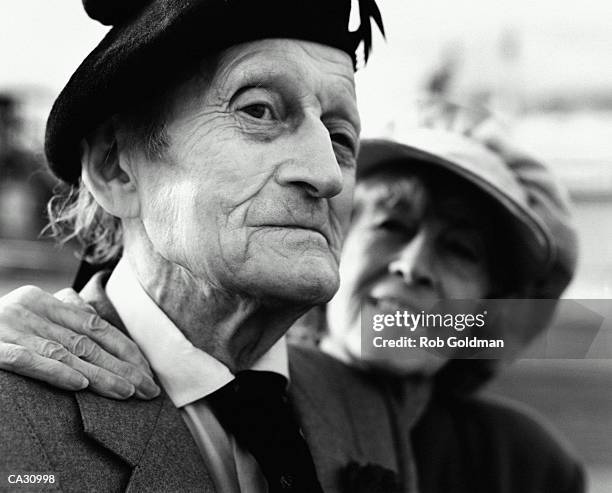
[(410, 245)]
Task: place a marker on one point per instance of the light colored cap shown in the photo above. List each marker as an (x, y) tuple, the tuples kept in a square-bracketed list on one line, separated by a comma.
[(536, 204)]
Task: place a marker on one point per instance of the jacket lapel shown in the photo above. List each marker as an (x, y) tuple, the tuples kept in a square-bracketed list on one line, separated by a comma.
[(150, 436), (327, 438), (171, 460), (337, 432), (354, 417)]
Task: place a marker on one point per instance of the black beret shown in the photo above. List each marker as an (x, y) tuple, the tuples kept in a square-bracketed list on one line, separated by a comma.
[(153, 40)]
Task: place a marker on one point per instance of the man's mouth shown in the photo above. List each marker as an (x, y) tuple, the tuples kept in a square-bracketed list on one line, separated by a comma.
[(299, 227)]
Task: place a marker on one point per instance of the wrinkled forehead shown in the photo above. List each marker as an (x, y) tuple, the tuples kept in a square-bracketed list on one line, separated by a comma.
[(303, 69), (308, 59)]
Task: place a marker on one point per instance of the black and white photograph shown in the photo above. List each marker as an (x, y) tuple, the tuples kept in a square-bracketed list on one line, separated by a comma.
[(308, 246)]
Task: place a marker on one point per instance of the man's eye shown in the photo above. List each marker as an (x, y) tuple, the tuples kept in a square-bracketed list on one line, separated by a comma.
[(258, 110), (343, 140)]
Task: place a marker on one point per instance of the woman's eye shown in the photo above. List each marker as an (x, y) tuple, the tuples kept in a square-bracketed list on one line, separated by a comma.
[(391, 226), (464, 251), (259, 111)]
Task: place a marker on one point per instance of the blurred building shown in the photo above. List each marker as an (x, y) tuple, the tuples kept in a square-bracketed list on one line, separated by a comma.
[(25, 185), (25, 188)]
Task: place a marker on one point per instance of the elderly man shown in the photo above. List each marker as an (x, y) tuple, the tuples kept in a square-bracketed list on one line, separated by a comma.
[(213, 144)]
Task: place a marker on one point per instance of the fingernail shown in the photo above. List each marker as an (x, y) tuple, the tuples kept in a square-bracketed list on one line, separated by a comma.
[(147, 368), (79, 382), (90, 308), (124, 389), (148, 389)]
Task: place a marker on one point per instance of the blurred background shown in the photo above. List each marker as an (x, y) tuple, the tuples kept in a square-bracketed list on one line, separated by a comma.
[(543, 66)]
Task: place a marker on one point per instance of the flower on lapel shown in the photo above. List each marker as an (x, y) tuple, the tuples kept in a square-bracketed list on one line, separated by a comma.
[(369, 478)]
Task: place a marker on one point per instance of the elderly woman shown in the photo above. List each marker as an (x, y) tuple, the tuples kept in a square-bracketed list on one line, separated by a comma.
[(447, 217), (440, 218)]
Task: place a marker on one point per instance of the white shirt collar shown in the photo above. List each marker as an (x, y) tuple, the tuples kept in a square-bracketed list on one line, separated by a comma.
[(185, 372)]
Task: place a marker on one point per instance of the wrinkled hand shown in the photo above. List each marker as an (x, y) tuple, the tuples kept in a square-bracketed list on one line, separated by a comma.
[(62, 341)]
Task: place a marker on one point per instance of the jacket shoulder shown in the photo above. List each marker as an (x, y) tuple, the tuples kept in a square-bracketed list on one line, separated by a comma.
[(322, 373), (512, 441), (41, 431), (312, 360), (32, 415), (519, 426), (31, 410), (530, 441)]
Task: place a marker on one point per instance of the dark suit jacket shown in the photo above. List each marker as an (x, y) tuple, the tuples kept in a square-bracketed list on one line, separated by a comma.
[(93, 443)]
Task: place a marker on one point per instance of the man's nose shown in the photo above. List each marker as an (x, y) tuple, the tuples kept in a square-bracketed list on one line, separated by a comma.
[(414, 262), (313, 165)]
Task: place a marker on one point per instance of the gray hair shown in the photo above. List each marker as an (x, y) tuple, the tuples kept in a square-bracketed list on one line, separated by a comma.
[(75, 215), (73, 212)]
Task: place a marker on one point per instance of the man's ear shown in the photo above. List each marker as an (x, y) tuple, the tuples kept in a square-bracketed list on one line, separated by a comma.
[(107, 174)]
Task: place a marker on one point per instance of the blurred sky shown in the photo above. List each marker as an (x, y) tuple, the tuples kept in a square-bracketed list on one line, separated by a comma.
[(564, 47)]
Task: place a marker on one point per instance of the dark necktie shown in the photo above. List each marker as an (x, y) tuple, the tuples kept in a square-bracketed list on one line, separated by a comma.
[(254, 408)]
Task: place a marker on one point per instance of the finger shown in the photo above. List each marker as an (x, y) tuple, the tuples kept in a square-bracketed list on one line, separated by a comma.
[(100, 380), (53, 341), (86, 349), (69, 295), (20, 360), (87, 323), (109, 338), (81, 346)]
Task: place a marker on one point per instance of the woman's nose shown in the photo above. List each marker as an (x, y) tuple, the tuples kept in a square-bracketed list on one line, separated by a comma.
[(414, 262)]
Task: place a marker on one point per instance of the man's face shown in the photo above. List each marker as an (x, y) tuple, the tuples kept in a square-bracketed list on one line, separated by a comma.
[(406, 249), (256, 190)]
